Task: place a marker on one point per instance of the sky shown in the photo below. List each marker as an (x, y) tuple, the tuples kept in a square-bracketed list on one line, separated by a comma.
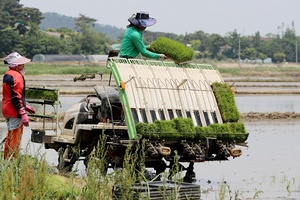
[(186, 16)]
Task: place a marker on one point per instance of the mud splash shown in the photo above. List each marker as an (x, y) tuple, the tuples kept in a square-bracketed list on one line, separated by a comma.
[(251, 116)]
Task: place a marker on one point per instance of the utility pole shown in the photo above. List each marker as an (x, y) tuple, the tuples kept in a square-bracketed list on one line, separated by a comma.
[(296, 51), (296, 44), (239, 49)]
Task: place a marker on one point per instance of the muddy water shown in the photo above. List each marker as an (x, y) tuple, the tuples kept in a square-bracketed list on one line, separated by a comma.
[(268, 169), (268, 103)]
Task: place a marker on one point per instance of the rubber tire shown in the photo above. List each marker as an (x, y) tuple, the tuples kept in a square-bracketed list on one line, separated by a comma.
[(63, 167)]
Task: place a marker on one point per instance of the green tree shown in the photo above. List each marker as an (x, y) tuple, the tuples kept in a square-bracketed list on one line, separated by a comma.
[(279, 57), (9, 39), (270, 45), (249, 53), (30, 15), (215, 43), (4, 19), (232, 40), (11, 9), (261, 56), (91, 42), (256, 40), (84, 24), (15, 19), (288, 43), (195, 44)]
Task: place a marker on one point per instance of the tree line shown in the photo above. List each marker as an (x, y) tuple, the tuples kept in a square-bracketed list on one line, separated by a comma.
[(20, 31)]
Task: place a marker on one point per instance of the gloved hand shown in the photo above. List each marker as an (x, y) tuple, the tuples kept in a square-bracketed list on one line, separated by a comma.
[(30, 109), (24, 117)]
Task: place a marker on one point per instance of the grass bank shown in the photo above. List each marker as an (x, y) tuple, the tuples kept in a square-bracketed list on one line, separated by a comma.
[(30, 177), (60, 69)]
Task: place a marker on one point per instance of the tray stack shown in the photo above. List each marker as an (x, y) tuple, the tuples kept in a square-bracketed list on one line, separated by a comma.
[(158, 190)]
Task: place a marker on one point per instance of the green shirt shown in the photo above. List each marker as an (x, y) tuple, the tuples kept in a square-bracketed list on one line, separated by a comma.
[(132, 44)]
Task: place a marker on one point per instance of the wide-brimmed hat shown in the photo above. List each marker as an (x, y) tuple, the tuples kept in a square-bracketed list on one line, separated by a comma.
[(142, 19), (15, 59)]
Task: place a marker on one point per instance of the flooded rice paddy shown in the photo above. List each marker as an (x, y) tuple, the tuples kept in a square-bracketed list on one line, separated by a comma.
[(268, 168), (270, 164)]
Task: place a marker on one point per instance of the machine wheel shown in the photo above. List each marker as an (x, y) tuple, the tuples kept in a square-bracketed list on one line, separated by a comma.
[(190, 175), (104, 167), (159, 168), (175, 168), (63, 166)]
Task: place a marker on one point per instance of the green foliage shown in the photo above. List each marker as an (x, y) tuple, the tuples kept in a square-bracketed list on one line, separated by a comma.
[(214, 44), (60, 187), (226, 102), (60, 22), (173, 49), (279, 56), (61, 69), (84, 24), (235, 127), (27, 177), (165, 126), (9, 38), (133, 169), (220, 128), (141, 128), (166, 129), (19, 32), (195, 44), (184, 125), (178, 128), (27, 40), (96, 170), (205, 129), (183, 129), (148, 130), (249, 53), (228, 132), (41, 93)]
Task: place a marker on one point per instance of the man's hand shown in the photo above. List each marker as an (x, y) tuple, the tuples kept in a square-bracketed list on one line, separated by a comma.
[(24, 117)]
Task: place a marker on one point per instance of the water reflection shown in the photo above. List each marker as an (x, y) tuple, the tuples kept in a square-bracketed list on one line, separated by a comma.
[(268, 103), (270, 164)]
